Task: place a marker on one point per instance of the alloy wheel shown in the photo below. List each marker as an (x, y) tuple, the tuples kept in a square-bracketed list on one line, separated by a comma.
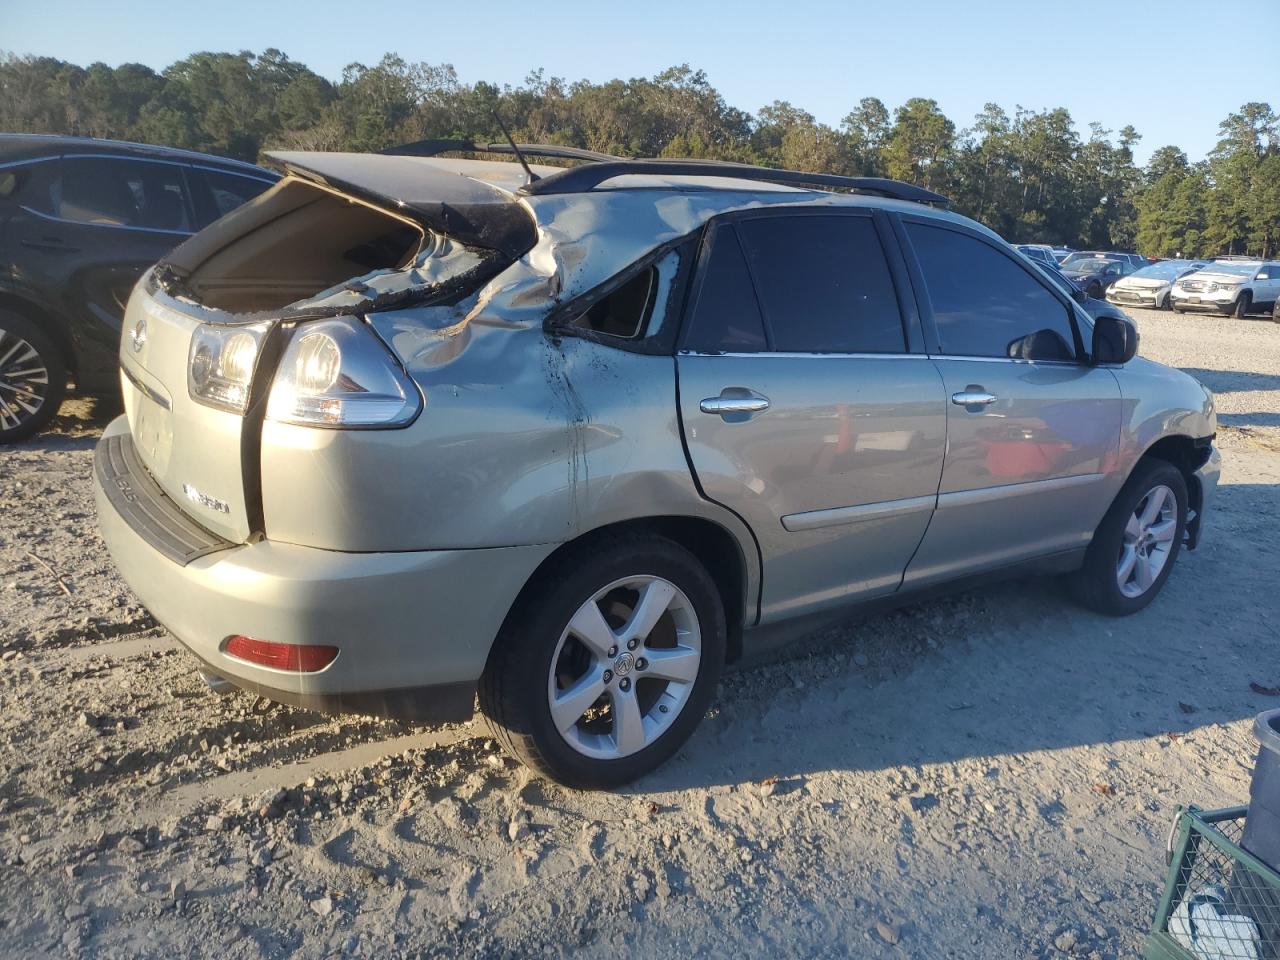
[(624, 667), (24, 381), (1147, 541)]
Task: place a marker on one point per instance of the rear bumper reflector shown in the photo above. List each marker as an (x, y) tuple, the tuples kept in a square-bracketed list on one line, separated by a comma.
[(291, 657)]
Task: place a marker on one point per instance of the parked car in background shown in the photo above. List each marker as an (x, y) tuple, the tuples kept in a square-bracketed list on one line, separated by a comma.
[(1061, 253), (1039, 252), (571, 451), (1233, 287), (1151, 286), (1095, 275), (1135, 260), (80, 220)]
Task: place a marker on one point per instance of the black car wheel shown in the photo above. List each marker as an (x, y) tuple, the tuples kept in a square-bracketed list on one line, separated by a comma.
[(1244, 303), (33, 378)]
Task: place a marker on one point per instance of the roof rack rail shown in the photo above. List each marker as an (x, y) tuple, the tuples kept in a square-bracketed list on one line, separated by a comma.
[(587, 176), (431, 148)]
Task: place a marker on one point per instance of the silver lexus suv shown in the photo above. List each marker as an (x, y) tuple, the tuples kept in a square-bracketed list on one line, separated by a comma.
[(406, 429)]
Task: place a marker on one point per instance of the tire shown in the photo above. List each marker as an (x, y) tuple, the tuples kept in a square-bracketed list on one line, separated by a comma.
[(1095, 291), (1098, 584), (1244, 303), (33, 378), (581, 745)]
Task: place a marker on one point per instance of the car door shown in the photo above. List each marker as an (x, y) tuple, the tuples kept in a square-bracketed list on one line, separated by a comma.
[(808, 405), (1267, 286), (1032, 429), (87, 234)]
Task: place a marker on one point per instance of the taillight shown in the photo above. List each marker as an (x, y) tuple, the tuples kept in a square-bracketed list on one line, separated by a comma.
[(221, 363), (293, 657), (337, 373)]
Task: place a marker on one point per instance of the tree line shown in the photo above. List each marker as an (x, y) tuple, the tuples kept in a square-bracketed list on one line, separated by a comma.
[(1030, 175)]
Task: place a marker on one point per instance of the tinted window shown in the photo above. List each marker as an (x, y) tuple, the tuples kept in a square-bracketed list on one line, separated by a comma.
[(824, 284), (984, 303), (726, 317), (625, 311), (127, 193), (228, 191)]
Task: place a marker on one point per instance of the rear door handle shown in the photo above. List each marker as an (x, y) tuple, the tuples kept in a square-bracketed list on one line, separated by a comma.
[(735, 400), (973, 397)]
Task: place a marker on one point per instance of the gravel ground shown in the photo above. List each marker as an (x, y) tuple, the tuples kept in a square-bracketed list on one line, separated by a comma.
[(988, 775)]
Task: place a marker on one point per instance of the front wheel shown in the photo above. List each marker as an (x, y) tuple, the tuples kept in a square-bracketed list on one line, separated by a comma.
[(1244, 303), (607, 663), (1137, 542)]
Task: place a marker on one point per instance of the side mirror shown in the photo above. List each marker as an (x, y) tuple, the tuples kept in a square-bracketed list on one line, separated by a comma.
[(1115, 339)]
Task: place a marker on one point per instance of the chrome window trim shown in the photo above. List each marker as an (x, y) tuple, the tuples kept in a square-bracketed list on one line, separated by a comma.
[(839, 516), (106, 226), (232, 173), (1042, 363), (967, 498)]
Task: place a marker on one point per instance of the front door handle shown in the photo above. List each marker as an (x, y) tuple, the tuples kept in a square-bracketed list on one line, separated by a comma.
[(733, 401), (972, 396)]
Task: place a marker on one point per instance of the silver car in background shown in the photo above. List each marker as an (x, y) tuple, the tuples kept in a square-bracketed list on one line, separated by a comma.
[(1152, 286), (405, 429), (1233, 286)]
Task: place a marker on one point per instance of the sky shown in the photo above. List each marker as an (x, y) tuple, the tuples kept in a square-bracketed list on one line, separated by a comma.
[(1173, 69)]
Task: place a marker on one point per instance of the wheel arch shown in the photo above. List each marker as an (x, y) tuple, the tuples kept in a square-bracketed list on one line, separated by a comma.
[(715, 547), (1188, 455)]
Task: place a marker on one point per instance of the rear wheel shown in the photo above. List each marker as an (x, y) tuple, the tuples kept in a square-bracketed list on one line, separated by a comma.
[(33, 378), (1244, 303), (606, 665), (1137, 542)]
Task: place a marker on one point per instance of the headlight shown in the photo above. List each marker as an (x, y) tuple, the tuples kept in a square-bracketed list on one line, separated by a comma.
[(337, 373), (220, 364), (1223, 285)]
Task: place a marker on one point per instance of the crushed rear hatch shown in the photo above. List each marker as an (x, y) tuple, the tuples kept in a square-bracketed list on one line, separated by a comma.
[(340, 235)]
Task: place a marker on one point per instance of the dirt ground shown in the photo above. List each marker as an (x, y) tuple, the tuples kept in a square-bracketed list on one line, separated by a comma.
[(985, 776)]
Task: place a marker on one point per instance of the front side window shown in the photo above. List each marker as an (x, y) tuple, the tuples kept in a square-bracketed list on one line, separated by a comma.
[(984, 303), (824, 284), (119, 193), (725, 317)]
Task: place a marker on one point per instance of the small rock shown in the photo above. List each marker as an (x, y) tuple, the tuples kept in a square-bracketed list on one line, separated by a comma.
[(261, 857), (322, 907), (177, 889), (87, 719), (1065, 941), (518, 828), (888, 932), (130, 845), (215, 824), (861, 659), (72, 870), (1092, 896)]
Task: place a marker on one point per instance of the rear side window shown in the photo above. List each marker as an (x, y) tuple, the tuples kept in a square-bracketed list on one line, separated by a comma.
[(624, 312), (984, 303), (726, 317), (120, 192), (824, 284)]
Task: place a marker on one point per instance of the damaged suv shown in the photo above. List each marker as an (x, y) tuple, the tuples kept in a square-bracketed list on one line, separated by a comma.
[(407, 429)]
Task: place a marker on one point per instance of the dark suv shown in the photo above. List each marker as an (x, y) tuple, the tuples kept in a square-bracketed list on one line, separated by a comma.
[(80, 220)]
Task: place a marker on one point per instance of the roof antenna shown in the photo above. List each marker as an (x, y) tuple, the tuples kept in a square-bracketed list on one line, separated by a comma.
[(516, 150)]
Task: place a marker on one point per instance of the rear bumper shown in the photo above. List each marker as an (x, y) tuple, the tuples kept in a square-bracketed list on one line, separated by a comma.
[(413, 629)]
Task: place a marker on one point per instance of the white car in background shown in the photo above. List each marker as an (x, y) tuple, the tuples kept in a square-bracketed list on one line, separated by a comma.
[(1152, 286), (1233, 287)]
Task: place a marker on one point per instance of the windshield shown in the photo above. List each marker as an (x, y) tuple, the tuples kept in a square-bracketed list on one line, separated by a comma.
[(1090, 265), (1233, 269)]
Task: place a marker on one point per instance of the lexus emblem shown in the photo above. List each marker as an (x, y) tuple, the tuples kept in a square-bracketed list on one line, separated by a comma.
[(138, 335)]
